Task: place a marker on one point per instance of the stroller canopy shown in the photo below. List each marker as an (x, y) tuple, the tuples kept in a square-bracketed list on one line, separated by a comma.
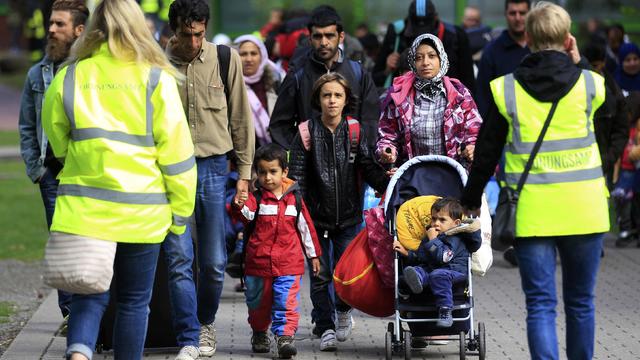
[(424, 175)]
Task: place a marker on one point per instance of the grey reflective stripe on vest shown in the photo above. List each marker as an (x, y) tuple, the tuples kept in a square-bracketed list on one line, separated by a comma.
[(112, 195), (557, 177), (517, 146), (178, 168), (154, 78), (180, 220), (69, 94), (94, 133)]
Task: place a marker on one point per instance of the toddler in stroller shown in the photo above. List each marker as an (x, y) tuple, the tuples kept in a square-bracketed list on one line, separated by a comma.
[(423, 180), (441, 260)]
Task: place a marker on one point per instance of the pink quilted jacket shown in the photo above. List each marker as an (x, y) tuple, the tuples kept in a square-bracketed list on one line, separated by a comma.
[(461, 118)]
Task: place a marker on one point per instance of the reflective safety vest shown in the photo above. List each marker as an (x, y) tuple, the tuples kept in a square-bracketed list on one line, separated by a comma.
[(129, 172), (150, 6), (163, 14), (565, 191)]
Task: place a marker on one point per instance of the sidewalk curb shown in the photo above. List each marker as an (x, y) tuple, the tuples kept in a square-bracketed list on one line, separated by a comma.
[(9, 152), (35, 337)]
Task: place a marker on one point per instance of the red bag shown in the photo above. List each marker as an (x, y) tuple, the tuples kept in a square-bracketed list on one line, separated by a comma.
[(381, 245), (357, 281)]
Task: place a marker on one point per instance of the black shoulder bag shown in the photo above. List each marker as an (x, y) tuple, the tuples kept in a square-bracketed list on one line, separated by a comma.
[(503, 232)]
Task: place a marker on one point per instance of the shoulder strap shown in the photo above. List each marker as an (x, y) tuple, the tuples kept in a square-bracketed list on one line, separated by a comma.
[(305, 135), (441, 31), (536, 147), (354, 138), (224, 59), (356, 67)]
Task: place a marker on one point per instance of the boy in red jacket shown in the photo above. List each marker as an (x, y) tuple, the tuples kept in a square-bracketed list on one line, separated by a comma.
[(274, 260)]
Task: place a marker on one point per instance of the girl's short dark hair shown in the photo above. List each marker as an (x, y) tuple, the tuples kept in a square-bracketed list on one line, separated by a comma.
[(270, 152), (450, 205), (331, 77)]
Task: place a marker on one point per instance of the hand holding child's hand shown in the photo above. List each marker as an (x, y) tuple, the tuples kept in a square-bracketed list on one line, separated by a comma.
[(399, 248), (432, 233), (240, 198), (315, 266)]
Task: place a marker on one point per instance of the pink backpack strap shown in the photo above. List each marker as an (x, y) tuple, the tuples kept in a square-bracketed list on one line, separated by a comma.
[(305, 135), (354, 138)]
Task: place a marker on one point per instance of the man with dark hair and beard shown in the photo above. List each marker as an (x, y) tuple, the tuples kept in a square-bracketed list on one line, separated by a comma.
[(65, 25)]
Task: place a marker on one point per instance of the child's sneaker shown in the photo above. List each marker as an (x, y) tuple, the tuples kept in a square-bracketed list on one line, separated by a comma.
[(260, 342), (413, 280), (445, 318), (344, 326), (286, 349), (328, 341)]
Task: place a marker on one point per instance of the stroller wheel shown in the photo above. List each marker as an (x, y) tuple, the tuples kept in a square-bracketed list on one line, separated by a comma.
[(482, 343), (388, 345), (407, 345), (463, 346)]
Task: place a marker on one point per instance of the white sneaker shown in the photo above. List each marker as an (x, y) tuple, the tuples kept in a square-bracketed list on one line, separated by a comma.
[(188, 353), (207, 340), (328, 341), (344, 325)]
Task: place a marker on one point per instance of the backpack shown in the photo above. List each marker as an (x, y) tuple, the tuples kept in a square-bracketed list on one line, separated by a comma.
[(354, 136)]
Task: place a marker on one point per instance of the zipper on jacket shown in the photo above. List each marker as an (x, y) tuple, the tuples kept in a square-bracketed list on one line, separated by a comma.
[(335, 176)]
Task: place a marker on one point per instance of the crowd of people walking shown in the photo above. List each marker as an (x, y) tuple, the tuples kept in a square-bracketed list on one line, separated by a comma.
[(133, 139)]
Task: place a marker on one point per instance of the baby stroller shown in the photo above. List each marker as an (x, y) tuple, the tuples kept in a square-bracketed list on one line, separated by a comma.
[(441, 176)]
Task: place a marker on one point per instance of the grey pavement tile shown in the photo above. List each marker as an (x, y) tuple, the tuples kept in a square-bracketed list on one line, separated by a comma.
[(499, 303)]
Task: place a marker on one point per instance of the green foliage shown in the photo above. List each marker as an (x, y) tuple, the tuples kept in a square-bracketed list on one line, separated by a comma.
[(21, 214)]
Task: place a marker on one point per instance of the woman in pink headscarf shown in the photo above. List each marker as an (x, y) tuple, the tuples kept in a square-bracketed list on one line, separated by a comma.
[(261, 77)]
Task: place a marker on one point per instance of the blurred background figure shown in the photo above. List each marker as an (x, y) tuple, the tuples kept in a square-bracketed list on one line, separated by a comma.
[(478, 33)]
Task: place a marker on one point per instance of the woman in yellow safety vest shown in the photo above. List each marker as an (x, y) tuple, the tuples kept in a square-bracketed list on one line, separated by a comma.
[(114, 116), (562, 207)]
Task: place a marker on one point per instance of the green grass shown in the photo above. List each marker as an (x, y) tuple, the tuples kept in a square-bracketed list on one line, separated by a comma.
[(21, 214), (9, 138), (6, 309)]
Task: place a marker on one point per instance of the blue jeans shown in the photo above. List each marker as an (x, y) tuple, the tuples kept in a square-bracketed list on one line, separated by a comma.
[(133, 272), (580, 259), (441, 282), (48, 191), (322, 294), (212, 255)]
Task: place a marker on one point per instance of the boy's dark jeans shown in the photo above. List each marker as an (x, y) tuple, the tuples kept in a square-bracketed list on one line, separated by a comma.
[(322, 293)]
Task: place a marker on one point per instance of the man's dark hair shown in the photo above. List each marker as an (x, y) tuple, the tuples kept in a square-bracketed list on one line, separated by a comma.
[(450, 205), (507, 2), (323, 16), (616, 26), (77, 8), (594, 51), (188, 11), (270, 152)]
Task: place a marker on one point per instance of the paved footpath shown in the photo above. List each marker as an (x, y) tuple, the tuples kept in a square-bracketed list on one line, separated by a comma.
[(499, 304)]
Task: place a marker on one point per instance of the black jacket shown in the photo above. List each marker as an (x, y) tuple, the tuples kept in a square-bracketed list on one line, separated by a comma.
[(294, 100), (456, 44), (547, 76), (611, 126), (330, 184)]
